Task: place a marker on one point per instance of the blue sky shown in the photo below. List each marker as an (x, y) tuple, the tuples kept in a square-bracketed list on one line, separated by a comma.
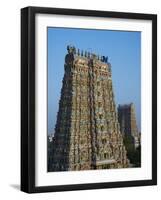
[(123, 50)]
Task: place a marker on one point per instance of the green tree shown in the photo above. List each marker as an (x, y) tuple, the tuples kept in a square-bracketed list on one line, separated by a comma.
[(134, 155)]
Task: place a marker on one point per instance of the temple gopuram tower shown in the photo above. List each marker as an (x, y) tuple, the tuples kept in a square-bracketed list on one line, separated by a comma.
[(87, 133), (128, 125)]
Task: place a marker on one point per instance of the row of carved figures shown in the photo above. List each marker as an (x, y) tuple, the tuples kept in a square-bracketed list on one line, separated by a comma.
[(73, 50)]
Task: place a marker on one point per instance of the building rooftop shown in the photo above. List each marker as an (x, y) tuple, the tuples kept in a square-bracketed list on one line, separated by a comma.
[(86, 54), (122, 106)]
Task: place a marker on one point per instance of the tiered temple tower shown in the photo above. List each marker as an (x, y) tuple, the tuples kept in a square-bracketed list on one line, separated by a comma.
[(87, 132), (128, 125)]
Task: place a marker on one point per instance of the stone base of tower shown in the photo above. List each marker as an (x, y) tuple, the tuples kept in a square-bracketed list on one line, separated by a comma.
[(111, 164), (77, 167), (104, 164)]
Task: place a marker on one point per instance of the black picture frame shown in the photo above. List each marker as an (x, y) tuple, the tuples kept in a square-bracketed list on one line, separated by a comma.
[(28, 98)]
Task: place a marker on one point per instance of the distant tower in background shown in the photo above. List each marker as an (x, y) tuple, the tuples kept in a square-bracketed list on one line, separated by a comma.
[(128, 125), (87, 132)]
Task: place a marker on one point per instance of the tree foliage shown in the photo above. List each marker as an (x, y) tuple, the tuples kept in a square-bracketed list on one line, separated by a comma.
[(134, 155)]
